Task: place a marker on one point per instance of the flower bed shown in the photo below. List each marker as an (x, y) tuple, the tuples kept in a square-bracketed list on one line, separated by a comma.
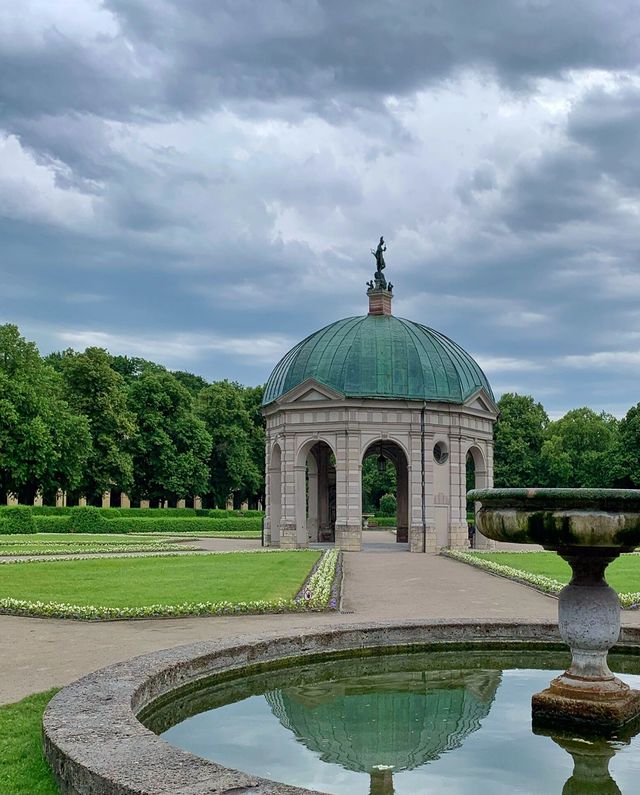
[(541, 583), (317, 594)]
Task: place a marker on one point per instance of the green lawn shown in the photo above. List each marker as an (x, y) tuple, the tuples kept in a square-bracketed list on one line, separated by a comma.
[(623, 574), (23, 770), (138, 582), (48, 544)]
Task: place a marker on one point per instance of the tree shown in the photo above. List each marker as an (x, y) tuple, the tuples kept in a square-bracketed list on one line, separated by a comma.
[(375, 483), (194, 383), (44, 444), (221, 405), (579, 450), (626, 457), (94, 389), (252, 398), (518, 438), (171, 447)]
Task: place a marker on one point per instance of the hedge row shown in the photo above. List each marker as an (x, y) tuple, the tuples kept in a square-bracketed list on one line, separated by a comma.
[(139, 513), (20, 519), (382, 521)]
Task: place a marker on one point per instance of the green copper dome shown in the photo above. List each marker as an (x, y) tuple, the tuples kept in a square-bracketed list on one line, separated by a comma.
[(380, 356)]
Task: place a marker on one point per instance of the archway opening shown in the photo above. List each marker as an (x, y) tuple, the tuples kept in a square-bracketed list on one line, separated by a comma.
[(320, 494), (476, 478), (385, 486)]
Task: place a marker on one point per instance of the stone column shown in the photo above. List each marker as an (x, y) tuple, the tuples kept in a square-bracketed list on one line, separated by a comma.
[(59, 499), (144, 503), (37, 500), (324, 520), (125, 502), (106, 499), (229, 505), (288, 533), (244, 506), (312, 519), (181, 504), (300, 475), (402, 500), (82, 502), (458, 529), (348, 492), (197, 503)]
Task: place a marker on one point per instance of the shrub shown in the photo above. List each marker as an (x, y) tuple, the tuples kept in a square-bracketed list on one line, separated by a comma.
[(382, 521), (53, 524), (87, 520), (172, 525), (18, 519), (388, 505)]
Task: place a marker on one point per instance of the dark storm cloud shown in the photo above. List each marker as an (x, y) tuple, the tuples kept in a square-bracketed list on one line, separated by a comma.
[(199, 182)]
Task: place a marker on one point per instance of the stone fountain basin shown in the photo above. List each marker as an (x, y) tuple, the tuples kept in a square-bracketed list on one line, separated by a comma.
[(97, 746), (556, 518)]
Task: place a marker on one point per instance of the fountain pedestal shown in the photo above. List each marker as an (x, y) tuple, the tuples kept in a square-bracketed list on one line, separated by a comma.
[(588, 528), (589, 623)]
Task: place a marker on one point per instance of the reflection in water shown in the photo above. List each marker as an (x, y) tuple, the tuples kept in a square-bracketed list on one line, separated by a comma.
[(591, 756), (399, 723), (386, 723)]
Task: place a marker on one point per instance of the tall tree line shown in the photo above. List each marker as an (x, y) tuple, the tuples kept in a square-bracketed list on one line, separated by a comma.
[(88, 422)]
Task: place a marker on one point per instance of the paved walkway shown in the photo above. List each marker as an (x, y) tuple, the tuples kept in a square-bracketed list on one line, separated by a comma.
[(36, 654)]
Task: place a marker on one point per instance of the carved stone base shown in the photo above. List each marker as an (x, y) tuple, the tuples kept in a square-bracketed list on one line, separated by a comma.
[(288, 536), (603, 705), (417, 539), (349, 537)]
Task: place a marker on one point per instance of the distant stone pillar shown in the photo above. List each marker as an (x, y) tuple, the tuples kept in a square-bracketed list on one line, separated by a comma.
[(244, 506), (12, 499), (125, 502), (59, 499), (82, 502), (197, 503), (402, 502), (181, 504), (106, 499), (37, 500), (230, 503), (260, 505), (312, 520), (144, 503)]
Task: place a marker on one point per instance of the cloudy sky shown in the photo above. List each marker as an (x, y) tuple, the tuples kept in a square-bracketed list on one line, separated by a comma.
[(199, 182)]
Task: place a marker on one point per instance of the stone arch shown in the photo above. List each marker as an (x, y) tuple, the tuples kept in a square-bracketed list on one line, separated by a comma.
[(274, 501), (476, 456), (396, 452), (315, 488)]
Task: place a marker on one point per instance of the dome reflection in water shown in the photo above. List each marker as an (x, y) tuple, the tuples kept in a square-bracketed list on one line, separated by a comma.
[(386, 723), (454, 722)]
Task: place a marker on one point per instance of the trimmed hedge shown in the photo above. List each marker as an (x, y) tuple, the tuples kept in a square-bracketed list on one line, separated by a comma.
[(52, 524), (164, 525), (382, 521), (16, 519), (175, 513)]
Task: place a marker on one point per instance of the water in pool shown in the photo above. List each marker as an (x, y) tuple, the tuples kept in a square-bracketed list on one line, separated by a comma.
[(445, 722)]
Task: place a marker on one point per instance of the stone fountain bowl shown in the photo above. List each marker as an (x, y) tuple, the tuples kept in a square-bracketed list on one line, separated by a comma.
[(557, 518), (588, 528)]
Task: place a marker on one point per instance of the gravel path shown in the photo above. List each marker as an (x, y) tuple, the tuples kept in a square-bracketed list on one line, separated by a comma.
[(36, 654)]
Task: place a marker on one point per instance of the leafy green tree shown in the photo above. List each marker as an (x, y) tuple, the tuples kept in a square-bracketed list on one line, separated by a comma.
[(44, 444), (252, 398), (518, 439), (95, 389), (580, 450), (194, 383), (375, 484), (626, 454), (171, 447), (233, 469)]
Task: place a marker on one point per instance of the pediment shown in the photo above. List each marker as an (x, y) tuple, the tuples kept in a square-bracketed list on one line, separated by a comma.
[(482, 401), (310, 391)]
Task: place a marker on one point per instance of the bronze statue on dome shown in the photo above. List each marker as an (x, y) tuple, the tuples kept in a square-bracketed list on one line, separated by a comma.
[(380, 283)]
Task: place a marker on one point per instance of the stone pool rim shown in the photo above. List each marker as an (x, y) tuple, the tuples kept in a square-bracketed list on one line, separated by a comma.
[(95, 743)]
